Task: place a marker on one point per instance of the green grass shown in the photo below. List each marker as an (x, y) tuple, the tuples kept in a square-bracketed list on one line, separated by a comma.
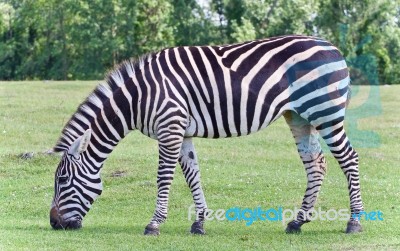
[(262, 169)]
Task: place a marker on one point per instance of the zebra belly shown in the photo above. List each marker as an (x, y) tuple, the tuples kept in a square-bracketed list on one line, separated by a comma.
[(227, 129), (237, 113)]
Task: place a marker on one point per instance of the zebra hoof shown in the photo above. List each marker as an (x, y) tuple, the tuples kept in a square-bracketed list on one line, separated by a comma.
[(197, 228), (293, 227), (152, 229), (353, 227)]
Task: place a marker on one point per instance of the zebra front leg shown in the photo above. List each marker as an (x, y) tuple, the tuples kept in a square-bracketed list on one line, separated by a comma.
[(169, 144), (191, 171), (310, 152)]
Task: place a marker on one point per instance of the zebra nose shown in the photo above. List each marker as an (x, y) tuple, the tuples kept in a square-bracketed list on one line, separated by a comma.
[(74, 224), (57, 222), (55, 219)]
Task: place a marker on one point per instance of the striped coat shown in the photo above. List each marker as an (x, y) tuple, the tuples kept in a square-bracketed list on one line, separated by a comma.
[(211, 92)]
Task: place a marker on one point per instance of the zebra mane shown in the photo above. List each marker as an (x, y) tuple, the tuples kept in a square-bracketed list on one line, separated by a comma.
[(93, 104)]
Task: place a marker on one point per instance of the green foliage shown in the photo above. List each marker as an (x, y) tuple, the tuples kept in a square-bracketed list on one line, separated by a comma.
[(191, 27), (152, 29), (244, 31), (364, 29), (73, 39)]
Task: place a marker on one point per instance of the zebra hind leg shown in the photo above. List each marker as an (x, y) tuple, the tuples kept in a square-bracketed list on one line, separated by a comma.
[(309, 148), (335, 137), (191, 171)]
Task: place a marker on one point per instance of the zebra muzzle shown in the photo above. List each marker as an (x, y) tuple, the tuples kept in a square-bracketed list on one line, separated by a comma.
[(57, 222)]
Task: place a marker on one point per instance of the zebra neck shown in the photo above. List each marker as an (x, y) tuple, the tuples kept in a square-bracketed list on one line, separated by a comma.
[(111, 111), (108, 129), (115, 114), (100, 147)]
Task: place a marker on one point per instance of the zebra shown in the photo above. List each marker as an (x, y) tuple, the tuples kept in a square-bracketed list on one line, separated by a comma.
[(233, 90)]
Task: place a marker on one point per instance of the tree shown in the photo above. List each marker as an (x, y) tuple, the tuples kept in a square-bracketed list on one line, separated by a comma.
[(363, 28), (265, 18), (7, 47), (152, 31), (73, 39), (244, 31), (191, 27)]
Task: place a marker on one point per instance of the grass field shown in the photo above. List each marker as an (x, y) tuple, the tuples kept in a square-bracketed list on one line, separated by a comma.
[(259, 170)]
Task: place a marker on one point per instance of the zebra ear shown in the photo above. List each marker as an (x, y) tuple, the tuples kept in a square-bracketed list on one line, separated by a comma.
[(80, 145)]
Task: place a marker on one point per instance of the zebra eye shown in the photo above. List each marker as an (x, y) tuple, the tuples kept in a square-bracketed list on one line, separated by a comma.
[(62, 179)]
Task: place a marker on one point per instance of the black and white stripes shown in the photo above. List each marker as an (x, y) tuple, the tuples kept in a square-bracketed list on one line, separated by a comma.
[(212, 92)]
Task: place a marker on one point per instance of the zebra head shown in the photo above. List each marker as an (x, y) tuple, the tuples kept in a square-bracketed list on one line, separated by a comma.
[(76, 186)]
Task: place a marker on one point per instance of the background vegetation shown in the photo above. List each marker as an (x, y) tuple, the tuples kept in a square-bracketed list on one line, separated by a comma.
[(262, 169), (74, 39)]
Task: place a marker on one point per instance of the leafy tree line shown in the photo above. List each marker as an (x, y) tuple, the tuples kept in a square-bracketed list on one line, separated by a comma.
[(75, 39)]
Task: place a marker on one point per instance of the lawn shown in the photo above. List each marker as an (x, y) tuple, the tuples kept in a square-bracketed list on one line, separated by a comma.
[(262, 169)]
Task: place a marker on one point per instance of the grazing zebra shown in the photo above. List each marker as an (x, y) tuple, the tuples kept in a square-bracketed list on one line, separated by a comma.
[(210, 92)]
